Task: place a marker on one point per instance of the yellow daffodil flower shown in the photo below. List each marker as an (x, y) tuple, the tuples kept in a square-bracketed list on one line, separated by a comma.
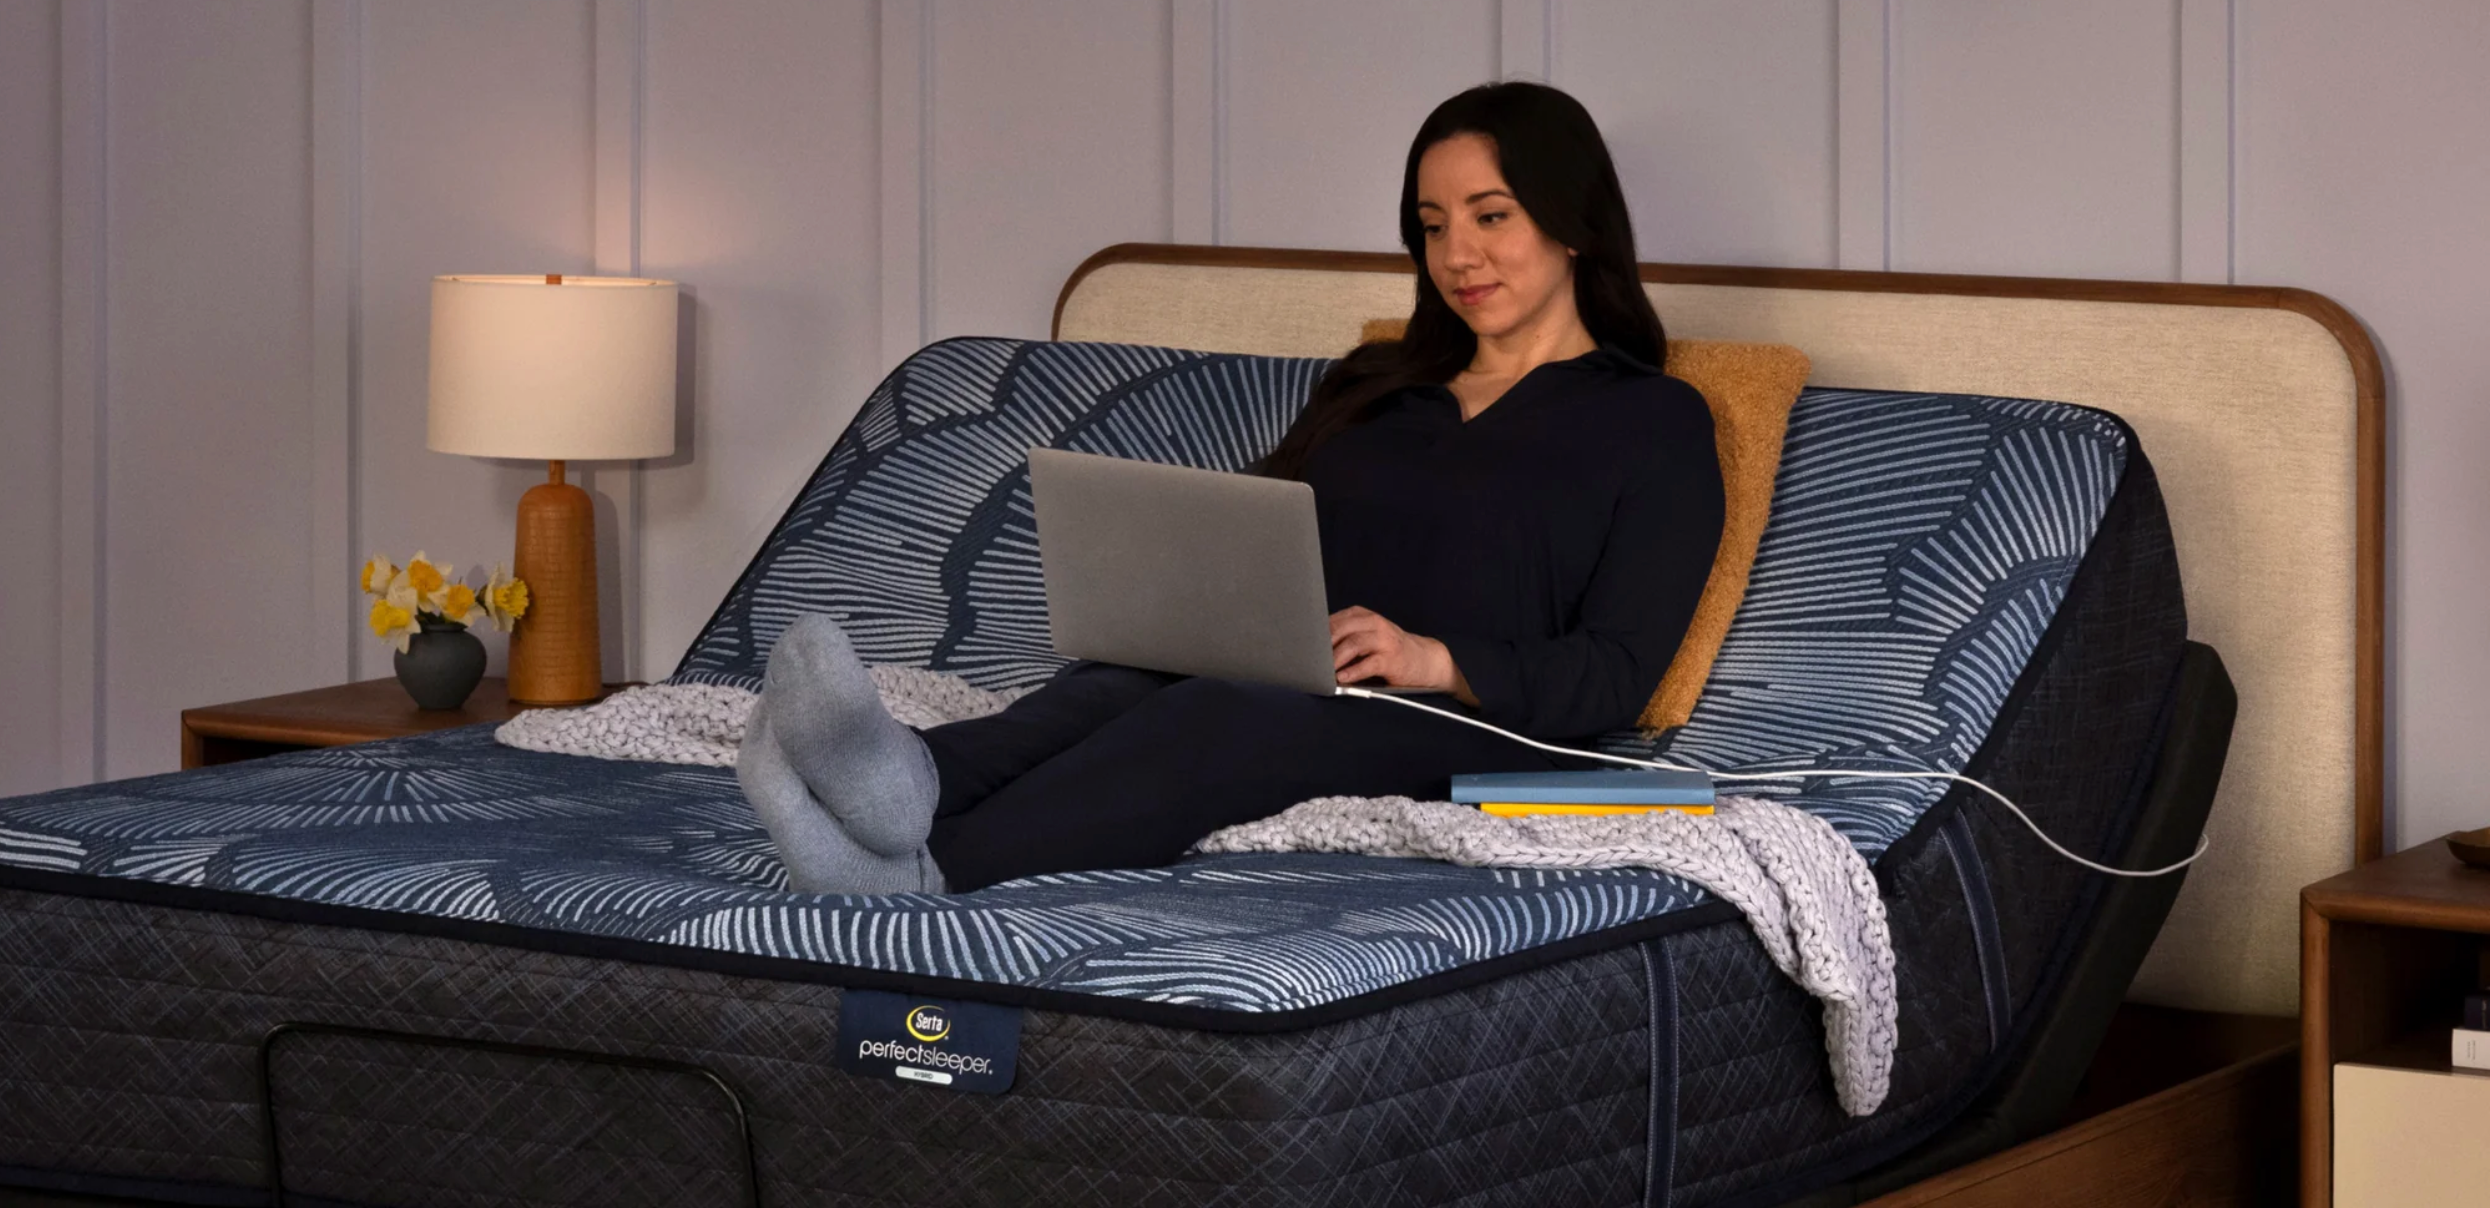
[(376, 575), (401, 594), (392, 624), (426, 579), (505, 599), (458, 603)]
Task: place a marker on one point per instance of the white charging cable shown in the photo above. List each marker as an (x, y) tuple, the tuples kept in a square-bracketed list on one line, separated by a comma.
[(2202, 844)]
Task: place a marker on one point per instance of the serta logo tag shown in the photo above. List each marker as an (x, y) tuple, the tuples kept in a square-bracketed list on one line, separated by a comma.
[(943, 1043), (928, 1024)]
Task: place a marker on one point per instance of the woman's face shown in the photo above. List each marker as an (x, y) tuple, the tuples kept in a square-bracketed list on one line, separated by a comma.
[(1500, 272)]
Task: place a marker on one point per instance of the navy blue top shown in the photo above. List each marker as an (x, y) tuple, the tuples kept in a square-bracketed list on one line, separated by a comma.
[(1556, 544)]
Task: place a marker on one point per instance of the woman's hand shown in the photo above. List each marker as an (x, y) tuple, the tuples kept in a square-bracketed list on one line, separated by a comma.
[(1366, 646)]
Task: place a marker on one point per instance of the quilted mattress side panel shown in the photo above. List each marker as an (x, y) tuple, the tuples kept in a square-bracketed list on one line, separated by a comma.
[(129, 1041)]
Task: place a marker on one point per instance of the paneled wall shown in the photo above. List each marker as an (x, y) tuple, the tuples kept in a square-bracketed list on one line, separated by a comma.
[(34, 753), (217, 218)]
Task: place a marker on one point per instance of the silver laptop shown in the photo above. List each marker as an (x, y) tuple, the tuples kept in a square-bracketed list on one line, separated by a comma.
[(1176, 569)]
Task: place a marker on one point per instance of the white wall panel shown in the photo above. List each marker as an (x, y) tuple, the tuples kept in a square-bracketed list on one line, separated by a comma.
[(337, 606), (207, 378), (759, 192), (30, 186), (1049, 141), (2035, 138), (1321, 100), (1720, 116), (2205, 117), (2363, 159), (1862, 137), (477, 158), (81, 369)]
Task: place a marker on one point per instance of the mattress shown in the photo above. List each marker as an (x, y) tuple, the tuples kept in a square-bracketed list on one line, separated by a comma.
[(1948, 582)]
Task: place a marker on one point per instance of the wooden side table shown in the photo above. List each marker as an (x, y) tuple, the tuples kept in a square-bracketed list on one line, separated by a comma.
[(2387, 953), (328, 717)]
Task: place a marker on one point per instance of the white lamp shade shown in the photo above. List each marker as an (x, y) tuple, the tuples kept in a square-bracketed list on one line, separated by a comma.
[(581, 370)]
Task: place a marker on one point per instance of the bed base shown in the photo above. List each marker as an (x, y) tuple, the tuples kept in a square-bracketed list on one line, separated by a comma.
[(2183, 1109)]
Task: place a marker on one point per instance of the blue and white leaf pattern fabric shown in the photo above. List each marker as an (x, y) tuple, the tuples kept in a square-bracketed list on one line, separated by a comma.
[(1919, 546), (917, 532), (671, 855)]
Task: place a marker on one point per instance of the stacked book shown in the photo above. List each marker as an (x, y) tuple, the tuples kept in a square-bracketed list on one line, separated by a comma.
[(2472, 1041), (1619, 791)]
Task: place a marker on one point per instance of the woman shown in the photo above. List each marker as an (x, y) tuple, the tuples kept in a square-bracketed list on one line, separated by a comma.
[(1518, 511)]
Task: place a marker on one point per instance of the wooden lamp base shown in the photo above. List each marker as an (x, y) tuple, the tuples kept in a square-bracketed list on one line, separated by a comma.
[(555, 655)]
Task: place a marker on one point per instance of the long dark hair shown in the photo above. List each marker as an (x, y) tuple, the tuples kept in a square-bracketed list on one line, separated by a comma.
[(1558, 166)]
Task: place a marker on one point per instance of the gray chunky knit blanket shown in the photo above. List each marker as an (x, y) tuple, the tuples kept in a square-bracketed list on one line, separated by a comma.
[(704, 723), (1805, 890)]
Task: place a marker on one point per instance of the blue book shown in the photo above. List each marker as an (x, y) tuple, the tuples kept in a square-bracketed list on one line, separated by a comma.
[(1620, 786)]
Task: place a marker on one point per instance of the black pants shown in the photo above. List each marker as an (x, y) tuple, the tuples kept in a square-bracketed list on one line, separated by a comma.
[(1112, 767)]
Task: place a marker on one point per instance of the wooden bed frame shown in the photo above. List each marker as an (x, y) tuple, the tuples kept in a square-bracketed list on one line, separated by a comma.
[(2263, 410)]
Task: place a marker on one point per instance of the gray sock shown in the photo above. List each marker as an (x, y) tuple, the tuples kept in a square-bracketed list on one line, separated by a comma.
[(874, 774), (820, 855)]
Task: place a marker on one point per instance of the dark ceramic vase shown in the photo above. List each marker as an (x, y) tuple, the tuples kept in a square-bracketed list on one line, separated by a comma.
[(442, 664)]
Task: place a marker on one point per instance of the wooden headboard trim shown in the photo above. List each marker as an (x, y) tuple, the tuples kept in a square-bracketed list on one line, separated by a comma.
[(2368, 377)]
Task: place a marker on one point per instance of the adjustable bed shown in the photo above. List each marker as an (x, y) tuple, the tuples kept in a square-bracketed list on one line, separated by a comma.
[(439, 970)]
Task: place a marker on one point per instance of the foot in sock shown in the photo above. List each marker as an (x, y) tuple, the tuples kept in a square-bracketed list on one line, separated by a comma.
[(820, 855), (872, 773)]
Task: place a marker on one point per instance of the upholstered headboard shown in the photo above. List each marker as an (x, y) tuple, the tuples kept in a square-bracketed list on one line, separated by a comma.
[(2263, 410)]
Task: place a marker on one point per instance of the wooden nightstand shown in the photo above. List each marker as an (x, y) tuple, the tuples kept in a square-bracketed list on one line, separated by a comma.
[(2387, 953), (328, 717)]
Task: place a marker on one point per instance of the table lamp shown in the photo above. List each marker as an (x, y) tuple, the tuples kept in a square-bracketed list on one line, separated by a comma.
[(557, 369)]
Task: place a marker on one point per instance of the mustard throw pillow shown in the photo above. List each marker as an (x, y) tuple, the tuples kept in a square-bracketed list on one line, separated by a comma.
[(1751, 388)]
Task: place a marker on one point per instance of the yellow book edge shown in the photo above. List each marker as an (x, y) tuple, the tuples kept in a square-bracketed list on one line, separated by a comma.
[(1517, 809)]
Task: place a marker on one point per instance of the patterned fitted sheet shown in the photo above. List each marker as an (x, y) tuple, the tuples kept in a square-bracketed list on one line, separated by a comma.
[(1919, 547)]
